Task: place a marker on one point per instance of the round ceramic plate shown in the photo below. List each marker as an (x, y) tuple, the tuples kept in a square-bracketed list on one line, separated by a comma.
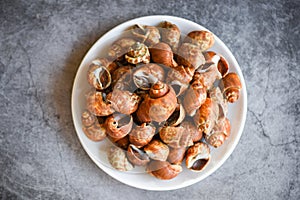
[(138, 178)]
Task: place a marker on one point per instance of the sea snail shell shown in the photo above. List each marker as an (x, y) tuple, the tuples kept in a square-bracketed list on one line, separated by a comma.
[(158, 105), (163, 169), (197, 156), (92, 128), (119, 125)]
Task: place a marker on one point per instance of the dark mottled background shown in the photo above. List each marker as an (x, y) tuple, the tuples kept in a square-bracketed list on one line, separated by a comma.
[(42, 44)]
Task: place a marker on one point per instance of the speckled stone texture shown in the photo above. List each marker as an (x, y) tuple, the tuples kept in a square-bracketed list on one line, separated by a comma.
[(41, 46)]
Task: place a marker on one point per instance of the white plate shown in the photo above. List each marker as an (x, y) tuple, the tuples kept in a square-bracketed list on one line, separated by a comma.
[(138, 178)]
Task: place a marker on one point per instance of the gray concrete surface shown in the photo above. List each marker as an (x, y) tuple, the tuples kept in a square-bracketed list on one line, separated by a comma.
[(41, 46)]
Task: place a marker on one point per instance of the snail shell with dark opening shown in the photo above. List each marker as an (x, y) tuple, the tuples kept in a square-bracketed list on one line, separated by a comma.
[(118, 125), (197, 157), (99, 73), (137, 156), (177, 117)]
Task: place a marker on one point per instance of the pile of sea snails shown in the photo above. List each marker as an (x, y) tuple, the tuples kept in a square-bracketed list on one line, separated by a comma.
[(161, 98)]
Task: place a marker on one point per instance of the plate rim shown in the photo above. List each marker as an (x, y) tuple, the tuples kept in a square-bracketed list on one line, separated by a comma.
[(223, 159)]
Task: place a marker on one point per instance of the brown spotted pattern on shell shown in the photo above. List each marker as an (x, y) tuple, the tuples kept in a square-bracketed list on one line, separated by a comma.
[(190, 56), (176, 155), (92, 128), (175, 137), (179, 78), (219, 133), (202, 39), (118, 160), (97, 104), (207, 115), (146, 75), (194, 97), (146, 34), (142, 135), (170, 34), (120, 47), (191, 128), (138, 53), (123, 101), (209, 76)]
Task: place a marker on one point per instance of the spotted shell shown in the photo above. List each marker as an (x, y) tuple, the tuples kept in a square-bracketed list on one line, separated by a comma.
[(92, 128), (146, 34), (118, 160), (97, 104), (146, 75), (120, 48), (123, 101), (219, 134), (190, 56), (202, 39), (138, 53), (175, 137), (170, 34)]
